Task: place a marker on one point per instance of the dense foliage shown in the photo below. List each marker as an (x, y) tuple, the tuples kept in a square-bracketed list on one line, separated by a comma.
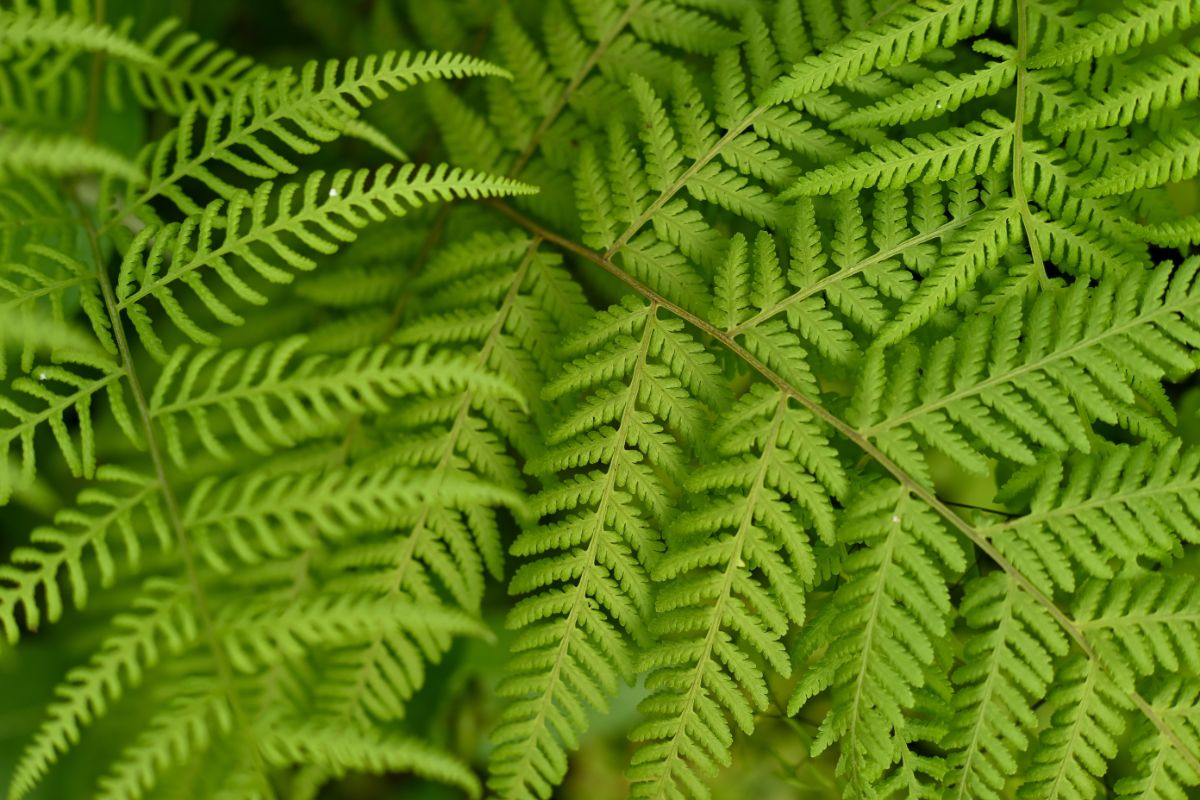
[(591, 398)]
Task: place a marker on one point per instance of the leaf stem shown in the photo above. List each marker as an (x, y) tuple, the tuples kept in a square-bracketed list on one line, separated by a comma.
[(864, 444), (171, 502)]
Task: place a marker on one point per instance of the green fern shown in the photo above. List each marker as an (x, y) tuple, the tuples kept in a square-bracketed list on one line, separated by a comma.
[(833, 349)]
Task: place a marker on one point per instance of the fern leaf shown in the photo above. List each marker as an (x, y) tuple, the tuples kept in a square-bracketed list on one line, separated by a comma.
[(1139, 22), (317, 217), (270, 118), (641, 386), (22, 154), (1173, 158), (269, 402), (263, 515), (1175, 233), (193, 716), (903, 35), (1087, 718), (976, 147), (262, 632), (28, 28), (61, 549), (1008, 663), (1160, 771), (735, 574), (986, 385), (1164, 81), (344, 749), (1141, 627), (968, 253), (940, 94), (164, 622), (1078, 520), (187, 69), (59, 392), (877, 638)]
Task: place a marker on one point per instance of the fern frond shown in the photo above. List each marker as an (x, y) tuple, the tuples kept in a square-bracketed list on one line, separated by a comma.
[(1008, 663), (266, 631), (500, 302), (875, 643), (967, 254), (1079, 518), (269, 402), (677, 25), (1139, 22), (1172, 158), (940, 94), (1142, 627), (1160, 771), (33, 212), (903, 35), (1030, 375), (23, 154), (1086, 711), (641, 386), (192, 717), (101, 514), (187, 69), (29, 28), (318, 217), (59, 392), (735, 575), (342, 749), (976, 147), (163, 623), (1175, 233), (269, 119), (1164, 81), (264, 515)]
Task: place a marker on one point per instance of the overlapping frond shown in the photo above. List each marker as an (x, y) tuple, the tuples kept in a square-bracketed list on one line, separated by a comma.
[(863, 262), (905, 34), (1035, 375), (1139, 22), (1008, 664), (27, 27), (163, 622), (270, 236), (126, 508), (23, 154), (257, 516), (640, 389), (1089, 516), (975, 148), (45, 399), (269, 403), (1087, 714), (270, 119), (737, 567), (497, 302), (876, 644)]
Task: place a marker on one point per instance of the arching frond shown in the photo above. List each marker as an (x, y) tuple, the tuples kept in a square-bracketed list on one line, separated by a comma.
[(736, 572), (640, 387), (877, 641)]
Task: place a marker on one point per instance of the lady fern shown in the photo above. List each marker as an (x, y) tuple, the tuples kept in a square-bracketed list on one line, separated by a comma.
[(821, 369)]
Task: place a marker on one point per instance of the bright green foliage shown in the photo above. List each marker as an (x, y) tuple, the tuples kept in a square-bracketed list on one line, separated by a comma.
[(643, 385), (880, 635), (579, 367), (738, 567)]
